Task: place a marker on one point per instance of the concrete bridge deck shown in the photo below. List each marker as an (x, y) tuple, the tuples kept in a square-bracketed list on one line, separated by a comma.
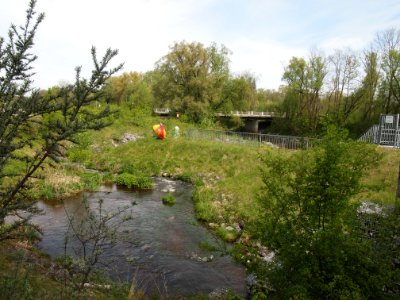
[(249, 114), (252, 118)]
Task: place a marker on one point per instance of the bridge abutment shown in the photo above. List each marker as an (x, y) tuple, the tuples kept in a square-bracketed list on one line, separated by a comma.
[(251, 125)]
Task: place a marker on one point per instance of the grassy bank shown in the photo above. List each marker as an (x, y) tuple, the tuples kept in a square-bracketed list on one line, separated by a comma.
[(226, 176)]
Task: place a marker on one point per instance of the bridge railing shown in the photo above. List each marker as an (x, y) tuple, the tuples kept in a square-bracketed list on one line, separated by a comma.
[(248, 114), (251, 139), (236, 113), (161, 110)]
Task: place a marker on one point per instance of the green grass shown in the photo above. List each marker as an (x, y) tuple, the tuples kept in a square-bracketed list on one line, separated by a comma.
[(226, 176), (135, 182), (168, 199), (381, 184), (28, 274)]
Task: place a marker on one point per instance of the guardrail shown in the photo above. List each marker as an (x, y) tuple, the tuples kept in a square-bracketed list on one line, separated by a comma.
[(252, 139)]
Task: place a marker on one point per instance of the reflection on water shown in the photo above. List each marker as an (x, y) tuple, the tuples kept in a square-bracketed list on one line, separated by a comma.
[(161, 242)]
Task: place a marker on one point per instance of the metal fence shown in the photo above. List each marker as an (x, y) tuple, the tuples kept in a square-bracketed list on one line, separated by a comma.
[(251, 139), (387, 133), (371, 135)]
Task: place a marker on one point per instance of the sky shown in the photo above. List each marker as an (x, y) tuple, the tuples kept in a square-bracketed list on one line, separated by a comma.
[(262, 35)]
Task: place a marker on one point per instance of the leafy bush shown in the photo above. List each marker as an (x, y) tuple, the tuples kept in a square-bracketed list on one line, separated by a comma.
[(310, 219), (168, 199), (132, 181)]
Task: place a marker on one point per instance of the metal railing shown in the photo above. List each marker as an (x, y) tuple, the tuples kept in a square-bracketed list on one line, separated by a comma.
[(161, 110), (371, 135), (245, 114), (383, 134), (251, 139)]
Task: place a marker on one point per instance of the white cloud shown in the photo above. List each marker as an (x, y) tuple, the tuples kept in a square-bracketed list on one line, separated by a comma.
[(265, 59)]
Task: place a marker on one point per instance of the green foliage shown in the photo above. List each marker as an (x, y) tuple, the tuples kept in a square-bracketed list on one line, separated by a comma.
[(186, 177), (35, 125), (238, 93), (130, 90), (308, 217), (132, 181), (91, 181), (203, 204), (80, 155), (47, 191), (168, 199), (15, 286), (226, 235), (189, 78)]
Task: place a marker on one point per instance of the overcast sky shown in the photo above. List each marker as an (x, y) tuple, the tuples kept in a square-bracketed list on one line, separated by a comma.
[(262, 34)]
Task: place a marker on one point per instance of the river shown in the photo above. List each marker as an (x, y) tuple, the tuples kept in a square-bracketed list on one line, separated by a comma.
[(163, 248)]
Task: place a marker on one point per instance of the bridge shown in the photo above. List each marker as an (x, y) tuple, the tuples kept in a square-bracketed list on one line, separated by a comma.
[(163, 112), (252, 118)]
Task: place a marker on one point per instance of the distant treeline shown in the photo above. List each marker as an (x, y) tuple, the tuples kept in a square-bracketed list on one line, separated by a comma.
[(347, 88)]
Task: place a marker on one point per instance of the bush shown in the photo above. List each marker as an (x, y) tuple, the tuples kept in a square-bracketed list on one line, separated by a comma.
[(308, 217), (168, 199), (132, 181)]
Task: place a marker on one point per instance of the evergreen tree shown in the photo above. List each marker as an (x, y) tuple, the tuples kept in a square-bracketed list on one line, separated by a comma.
[(33, 126)]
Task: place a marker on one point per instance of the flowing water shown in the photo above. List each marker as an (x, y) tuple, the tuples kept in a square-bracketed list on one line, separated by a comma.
[(163, 252)]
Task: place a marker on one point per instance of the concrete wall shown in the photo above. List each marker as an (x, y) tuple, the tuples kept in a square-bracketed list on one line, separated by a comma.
[(251, 126)]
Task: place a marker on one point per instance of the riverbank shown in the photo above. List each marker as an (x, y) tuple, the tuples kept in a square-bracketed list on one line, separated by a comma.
[(226, 177)]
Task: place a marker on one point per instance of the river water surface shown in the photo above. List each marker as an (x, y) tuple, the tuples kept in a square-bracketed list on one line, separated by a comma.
[(162, 248)]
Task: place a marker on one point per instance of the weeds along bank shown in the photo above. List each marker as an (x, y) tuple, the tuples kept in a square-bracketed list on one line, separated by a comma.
[(227, 177)]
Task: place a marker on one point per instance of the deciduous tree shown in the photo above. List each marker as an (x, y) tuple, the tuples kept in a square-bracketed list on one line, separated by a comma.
[(189, 78), (309, 220)]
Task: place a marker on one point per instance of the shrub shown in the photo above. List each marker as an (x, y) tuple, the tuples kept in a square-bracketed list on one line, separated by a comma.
[(168, 199), (308, 216)]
